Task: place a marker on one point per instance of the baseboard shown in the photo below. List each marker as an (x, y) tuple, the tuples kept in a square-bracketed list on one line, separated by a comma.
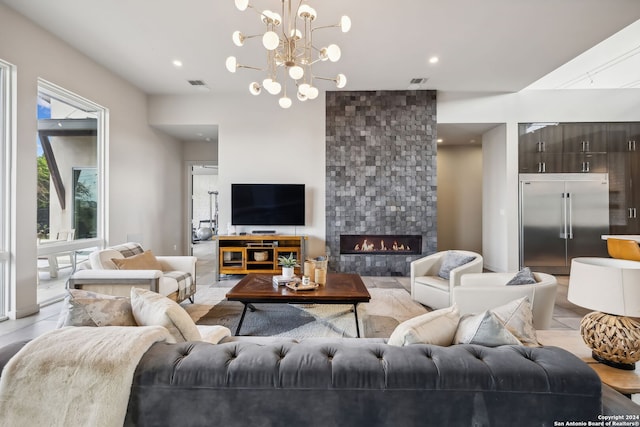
[(24, 312)]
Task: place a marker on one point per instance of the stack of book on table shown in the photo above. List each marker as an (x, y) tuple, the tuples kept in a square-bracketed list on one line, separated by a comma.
[(282, 281)]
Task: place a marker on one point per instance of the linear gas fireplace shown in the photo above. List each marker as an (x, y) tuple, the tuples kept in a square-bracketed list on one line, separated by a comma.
[(366, 244)]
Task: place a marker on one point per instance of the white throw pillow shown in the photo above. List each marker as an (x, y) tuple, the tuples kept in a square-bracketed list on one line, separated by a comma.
[(436, 327), (517, 317), (483, 329), (151, 309), (101, 260)]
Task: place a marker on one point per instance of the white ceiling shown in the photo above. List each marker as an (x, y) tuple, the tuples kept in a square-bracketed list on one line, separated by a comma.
[(489, 45)]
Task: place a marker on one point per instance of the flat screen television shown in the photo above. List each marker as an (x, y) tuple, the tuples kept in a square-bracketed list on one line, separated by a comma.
[(267, 204)]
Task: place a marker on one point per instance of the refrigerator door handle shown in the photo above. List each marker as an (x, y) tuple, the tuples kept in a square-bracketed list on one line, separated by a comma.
[(563, 233), (570, 236)]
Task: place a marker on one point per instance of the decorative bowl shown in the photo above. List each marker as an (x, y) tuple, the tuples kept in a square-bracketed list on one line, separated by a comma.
[(261, 256)]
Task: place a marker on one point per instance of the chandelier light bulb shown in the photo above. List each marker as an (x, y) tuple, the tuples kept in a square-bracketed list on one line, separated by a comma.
[(255, 88), (313, 92), (307, 12), (232, 64), (272, 86), (345, 23), (302, 97), (269, 17), (242, 5), (285, 102), (295, 34), (296, 72), (341, 81), (304, 88), (238, 38), (270, 40), (276, 87), (333, 52)]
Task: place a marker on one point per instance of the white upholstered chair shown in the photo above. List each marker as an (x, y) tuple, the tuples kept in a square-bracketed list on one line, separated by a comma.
[(480, 292), (432, 290), (176, 279)]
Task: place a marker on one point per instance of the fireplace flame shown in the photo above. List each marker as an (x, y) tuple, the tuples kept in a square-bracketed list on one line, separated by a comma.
[(365, 246)]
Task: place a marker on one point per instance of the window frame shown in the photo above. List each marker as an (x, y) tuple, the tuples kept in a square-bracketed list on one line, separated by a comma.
[(102, 116), (7, 137)]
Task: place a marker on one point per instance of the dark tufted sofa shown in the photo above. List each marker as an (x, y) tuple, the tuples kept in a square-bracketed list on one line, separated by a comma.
[(351, 382)]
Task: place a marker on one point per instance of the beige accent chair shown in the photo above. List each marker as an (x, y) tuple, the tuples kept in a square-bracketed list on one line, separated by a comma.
[(432, 290), (176, 280), (480, 292)]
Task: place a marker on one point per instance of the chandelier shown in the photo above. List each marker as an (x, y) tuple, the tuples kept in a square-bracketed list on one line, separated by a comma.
[(288, 39)]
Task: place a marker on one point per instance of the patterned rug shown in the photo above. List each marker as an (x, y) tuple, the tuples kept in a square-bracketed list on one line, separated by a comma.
[(378, 318)]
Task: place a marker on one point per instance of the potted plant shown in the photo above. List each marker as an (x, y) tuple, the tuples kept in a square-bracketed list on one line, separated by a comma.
[(288, 263)]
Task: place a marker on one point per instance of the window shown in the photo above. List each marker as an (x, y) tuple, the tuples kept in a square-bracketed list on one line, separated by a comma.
[(6, 101), (71, 184)]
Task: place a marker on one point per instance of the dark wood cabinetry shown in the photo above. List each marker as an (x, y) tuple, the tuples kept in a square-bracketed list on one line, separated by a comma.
[(624, 178), (563, 148), (612, 148), (540, 148)]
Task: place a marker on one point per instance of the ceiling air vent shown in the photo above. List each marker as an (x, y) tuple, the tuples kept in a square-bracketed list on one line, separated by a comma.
[(197, 83), (418, 83)]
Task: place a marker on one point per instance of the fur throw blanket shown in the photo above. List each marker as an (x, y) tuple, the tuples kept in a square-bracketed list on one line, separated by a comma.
[(74, 376)]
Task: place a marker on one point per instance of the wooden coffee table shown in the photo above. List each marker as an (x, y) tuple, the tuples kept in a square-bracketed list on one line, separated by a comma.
[(341, 288)]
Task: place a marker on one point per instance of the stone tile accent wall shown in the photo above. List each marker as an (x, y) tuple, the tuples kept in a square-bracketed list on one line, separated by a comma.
[(381, 174)]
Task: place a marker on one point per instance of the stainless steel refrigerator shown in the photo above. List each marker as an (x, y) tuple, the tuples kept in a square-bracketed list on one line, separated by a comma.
[(562, 216)]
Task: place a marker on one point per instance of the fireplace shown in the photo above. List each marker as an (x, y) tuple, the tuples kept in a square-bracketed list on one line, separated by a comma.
[(368, 244)]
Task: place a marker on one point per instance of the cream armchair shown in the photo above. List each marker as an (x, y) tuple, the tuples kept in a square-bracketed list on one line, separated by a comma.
[(479, 292), (432, 290), (176, 279)]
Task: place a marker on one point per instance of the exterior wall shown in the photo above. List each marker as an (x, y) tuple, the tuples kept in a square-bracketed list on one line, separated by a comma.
[(380, 174)]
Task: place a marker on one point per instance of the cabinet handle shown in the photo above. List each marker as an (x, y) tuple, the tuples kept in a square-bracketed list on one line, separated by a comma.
[(635, 213), (588, 164), (588, 146), (542, 167), (540, 145), (585, 167), (631, 212)]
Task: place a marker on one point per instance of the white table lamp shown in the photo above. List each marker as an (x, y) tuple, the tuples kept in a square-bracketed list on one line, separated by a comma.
[(612, 288)]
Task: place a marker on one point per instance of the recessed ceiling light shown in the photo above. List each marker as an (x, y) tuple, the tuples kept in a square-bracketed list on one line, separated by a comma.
[(434, 60), (472, 141), (439, 140), (177, 63)]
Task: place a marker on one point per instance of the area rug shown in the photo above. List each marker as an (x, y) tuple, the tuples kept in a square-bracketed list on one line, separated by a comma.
[(378, 318)]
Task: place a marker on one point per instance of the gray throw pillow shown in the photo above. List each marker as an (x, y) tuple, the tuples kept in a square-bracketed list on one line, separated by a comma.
[(453, 259), (86, 308), (483, 329), (522, 277)]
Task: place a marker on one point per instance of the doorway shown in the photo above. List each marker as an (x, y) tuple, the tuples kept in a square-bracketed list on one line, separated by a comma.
[(203, 222)]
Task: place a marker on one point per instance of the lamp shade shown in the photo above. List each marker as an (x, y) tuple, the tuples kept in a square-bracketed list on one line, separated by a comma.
[(605, 284)]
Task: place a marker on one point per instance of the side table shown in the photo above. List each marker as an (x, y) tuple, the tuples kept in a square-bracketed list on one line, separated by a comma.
[(626, 382)]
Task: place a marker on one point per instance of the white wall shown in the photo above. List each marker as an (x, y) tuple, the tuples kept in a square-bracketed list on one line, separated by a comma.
[(258, 142), (460, 197), (145, 180), (529, 106), (494, 205)]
